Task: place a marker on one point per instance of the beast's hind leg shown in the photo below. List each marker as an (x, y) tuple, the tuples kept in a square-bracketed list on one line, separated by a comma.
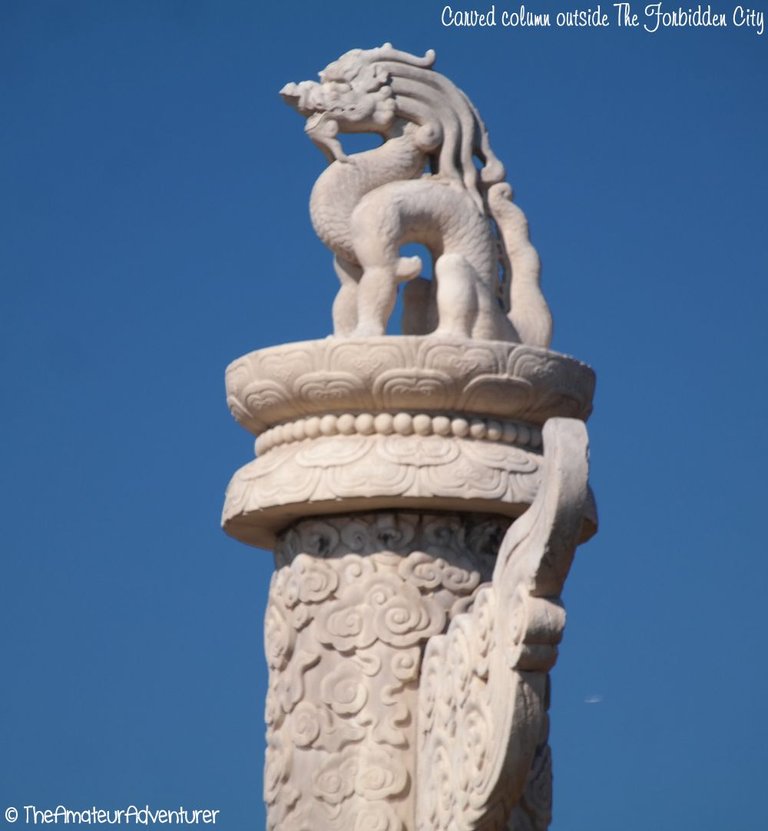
[(377, 232), (466, 306), (457, 300), (418, 302)]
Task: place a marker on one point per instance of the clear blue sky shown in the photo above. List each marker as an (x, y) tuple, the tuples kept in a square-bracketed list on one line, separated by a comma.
[(154, 227)]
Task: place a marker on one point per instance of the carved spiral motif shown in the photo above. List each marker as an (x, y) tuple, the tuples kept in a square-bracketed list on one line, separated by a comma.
[(405, 665), (335, 780), (377, 817), (381, 776), (351, 606), (306, 724), (315, 584), (353, 568), (343, 689), (463, 541)]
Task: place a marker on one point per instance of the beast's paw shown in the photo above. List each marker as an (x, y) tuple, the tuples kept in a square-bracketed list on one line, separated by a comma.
[(408, 268)]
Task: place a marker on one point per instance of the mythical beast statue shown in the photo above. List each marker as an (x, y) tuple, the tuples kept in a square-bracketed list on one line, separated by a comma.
[(423, 495), (364, 207)]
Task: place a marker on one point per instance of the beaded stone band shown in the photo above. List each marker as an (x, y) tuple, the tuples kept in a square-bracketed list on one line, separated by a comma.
[(404, 424)]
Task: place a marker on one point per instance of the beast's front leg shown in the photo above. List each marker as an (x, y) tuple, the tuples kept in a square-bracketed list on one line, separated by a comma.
[(376, 234), (377, 293)]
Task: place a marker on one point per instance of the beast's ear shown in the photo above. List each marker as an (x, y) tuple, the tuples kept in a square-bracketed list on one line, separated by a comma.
[(372, 78), (381, 75)]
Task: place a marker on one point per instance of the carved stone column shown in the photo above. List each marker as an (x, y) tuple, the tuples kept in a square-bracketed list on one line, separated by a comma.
[(423, 494), (388, 472), (352, 605)]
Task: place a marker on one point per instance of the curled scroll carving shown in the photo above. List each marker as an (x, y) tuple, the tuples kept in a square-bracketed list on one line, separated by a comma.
[(482, 704)]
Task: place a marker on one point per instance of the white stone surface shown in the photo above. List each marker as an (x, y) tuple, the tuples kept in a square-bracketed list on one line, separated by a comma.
[(424, 493)]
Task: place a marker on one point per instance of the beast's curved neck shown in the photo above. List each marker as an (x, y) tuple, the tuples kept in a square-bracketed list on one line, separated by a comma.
[(344, 183)]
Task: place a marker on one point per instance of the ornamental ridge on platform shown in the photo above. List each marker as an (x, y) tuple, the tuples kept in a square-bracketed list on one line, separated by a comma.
[(432, 373), (399, 421)]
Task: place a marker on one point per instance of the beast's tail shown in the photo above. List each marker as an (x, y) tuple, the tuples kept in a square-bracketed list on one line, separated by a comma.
[(522, 298)]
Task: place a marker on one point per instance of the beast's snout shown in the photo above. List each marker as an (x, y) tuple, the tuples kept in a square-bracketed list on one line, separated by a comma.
[(306, 97)]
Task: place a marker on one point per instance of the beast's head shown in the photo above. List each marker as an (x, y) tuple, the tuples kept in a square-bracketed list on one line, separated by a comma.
[(354, 96), (371, 90)]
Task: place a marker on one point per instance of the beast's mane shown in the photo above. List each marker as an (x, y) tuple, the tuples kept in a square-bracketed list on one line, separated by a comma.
[(424, 96)]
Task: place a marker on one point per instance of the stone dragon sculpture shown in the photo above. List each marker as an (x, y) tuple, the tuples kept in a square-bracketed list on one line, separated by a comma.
[(434, 181), (409, 646)]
